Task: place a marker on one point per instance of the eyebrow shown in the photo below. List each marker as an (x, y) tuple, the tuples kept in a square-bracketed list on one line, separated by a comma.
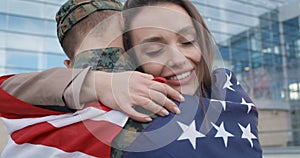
[(152, 39), (186, 29)]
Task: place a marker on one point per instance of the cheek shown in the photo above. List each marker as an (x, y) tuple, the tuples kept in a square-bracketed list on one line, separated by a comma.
[(194, 55), (153, 69), (151, 65)]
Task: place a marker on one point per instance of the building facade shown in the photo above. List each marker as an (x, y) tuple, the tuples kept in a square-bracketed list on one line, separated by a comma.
[(266, 59), (28, 39)]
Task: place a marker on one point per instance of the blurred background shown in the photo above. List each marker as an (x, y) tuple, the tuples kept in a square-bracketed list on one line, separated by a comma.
[(259, 40)]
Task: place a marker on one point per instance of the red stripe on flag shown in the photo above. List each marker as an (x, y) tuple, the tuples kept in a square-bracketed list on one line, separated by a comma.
[(13, 108), (89, 137), (98, 105), (3, 78)]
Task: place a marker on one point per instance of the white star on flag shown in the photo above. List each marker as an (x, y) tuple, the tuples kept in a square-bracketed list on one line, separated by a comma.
[(190, 133), (228, 84), (248, 104), (247, 134), (222, 133)]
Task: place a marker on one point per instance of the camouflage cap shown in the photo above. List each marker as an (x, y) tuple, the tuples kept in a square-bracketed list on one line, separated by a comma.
[(71, 12)]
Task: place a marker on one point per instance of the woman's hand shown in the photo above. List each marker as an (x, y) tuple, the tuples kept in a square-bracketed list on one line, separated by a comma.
[(125, 90)]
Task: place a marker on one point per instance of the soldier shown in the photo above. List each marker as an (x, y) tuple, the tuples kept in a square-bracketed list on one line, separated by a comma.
[(36, 132), (71, 88)]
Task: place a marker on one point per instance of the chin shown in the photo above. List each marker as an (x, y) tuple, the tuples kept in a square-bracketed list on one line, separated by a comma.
[(188, 90)]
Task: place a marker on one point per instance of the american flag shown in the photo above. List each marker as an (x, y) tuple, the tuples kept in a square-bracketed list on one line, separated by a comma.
[(39, 132), (227, 128)]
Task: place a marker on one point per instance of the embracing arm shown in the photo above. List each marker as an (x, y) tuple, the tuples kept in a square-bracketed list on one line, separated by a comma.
[(47, 88), (73, 88)]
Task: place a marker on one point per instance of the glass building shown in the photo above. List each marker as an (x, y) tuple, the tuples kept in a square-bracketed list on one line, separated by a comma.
[(259, 40), (28, 39)]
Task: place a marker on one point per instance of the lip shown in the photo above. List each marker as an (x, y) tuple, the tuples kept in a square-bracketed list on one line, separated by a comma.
[(181, 81)]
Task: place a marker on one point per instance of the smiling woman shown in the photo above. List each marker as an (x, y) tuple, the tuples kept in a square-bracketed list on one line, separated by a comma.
[(168, 38), (168, 52), (178, 49)]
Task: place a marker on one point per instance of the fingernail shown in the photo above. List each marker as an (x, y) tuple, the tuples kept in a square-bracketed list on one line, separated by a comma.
[(181, 98), (177, 110), (148, 119), (165, 112)]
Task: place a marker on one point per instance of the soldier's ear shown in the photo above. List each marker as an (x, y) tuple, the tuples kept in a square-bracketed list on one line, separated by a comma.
[(68, 63)]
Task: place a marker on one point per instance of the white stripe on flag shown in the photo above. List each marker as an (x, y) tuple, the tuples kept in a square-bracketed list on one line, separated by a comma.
[(14, 150), (61, 120)]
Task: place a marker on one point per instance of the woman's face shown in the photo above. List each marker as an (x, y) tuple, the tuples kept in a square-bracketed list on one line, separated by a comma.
[(164, 40)]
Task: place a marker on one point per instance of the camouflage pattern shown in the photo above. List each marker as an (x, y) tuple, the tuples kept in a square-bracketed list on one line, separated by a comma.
[(107, 59), (130, 132), (114, 60), (74, 11)]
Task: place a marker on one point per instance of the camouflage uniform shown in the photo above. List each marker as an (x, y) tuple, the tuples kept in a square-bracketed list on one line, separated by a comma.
[(73, 11), (108, 60), (130, 132), (113, 60)]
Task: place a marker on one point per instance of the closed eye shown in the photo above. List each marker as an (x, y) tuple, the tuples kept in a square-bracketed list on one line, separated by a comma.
[(153, 53), (188, 42)]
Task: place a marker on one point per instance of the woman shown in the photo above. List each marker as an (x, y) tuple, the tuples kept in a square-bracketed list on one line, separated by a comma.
[(168, 38), (187, 35)]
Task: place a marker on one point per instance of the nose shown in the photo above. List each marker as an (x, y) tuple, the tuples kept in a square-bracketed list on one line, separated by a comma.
[(176, 59)]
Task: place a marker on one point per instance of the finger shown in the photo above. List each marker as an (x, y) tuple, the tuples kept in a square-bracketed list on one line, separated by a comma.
[(164, 101), (167, 90), (151, 106), (137, 116), (147, 76), (172, 93), (171, 106), (144, 75)]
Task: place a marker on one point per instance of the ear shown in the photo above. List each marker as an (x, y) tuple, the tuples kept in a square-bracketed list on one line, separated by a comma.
[(68, 63)]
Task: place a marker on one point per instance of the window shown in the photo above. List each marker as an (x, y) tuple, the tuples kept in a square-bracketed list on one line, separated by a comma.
[(3, 6), (294, 91), (18, 70), (2, 57), (50, 28), (25, 42), (19, 59), (25, 8), (52, 45), (2, 71), (26, 25), (2, 39), (50, 11), (55, 60), (224, 52), (2, 21)]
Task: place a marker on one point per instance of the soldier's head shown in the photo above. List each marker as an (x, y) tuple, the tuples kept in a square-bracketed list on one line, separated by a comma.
[(83, 25)]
